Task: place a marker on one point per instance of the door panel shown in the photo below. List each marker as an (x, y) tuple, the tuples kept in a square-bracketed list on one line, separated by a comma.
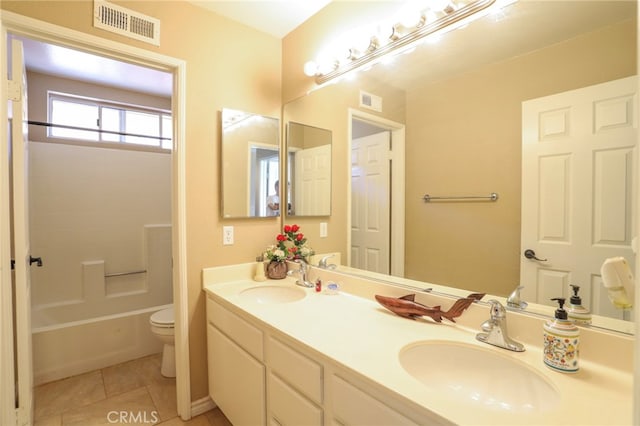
[(578, 174), (21, 239), (370, 203)]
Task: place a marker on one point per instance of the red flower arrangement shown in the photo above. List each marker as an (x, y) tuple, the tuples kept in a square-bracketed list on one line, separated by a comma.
[(290, 245)]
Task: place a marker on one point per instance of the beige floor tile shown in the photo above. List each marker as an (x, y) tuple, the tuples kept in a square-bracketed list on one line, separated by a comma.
[(49, 421), (59, 396), (134, 374), (165, 399), (200, 420), (134, 407), (217, 418)]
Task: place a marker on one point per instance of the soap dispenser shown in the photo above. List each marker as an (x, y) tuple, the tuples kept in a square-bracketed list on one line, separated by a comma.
[(561, 341), (578, 313), (259, 275)]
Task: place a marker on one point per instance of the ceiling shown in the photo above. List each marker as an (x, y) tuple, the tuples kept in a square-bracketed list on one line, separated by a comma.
[(463, 49), (277, 18)]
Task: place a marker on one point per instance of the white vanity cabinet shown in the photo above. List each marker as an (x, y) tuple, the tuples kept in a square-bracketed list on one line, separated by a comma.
[(352, 405), (259, 376), (236, 372), (295, 393)]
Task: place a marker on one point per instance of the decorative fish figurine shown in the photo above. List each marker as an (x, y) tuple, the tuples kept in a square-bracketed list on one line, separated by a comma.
[(407, 307)]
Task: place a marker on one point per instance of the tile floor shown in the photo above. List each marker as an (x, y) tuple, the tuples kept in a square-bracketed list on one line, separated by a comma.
[(133, 392)]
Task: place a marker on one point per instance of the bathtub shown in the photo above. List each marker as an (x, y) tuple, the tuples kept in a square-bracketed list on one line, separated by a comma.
[(73, 348)]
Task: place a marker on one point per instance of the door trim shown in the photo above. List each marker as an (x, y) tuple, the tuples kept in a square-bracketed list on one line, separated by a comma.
[(397, 185), (44, 31)]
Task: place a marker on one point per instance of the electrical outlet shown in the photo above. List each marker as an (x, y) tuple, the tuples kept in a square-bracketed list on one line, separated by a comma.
[(323, 229), (227, 235)]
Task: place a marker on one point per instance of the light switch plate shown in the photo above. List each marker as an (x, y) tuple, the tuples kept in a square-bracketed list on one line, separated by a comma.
[(323, 229)]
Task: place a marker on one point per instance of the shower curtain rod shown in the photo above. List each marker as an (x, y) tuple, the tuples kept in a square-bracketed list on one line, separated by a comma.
[(110, 132)]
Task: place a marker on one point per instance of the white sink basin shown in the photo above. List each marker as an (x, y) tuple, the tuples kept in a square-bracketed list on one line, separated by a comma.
[(272, 294), (482, 377)]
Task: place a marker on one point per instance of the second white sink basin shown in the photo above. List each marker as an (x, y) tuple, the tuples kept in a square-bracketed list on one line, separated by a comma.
[(485, 377), (272, 294)]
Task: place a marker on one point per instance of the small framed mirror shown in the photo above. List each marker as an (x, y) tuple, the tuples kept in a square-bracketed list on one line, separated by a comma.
[(250, 164), (308, 170)]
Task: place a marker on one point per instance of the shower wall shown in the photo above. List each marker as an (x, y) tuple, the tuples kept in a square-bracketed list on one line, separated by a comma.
[(93, 213), (96, 212)]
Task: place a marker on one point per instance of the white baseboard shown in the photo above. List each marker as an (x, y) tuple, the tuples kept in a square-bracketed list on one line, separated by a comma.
[(201, 406)]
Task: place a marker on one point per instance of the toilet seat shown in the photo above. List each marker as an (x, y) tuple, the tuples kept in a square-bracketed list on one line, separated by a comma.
[(163, 318)]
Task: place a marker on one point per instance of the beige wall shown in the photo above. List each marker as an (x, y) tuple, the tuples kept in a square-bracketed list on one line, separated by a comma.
[(228, 65)]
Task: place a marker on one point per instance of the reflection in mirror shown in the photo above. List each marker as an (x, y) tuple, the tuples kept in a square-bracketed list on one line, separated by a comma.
[(461, 98), (308, 170), (250, 164)]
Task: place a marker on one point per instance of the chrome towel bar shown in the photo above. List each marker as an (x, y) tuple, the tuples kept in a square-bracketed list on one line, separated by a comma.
[(119, 274), (492, 197)]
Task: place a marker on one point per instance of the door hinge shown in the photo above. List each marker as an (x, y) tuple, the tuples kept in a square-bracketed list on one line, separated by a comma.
[(14, 90)]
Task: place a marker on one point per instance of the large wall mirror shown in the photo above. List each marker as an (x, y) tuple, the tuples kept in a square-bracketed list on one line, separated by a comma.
[(459, 100), (308, 170), (250, 164)]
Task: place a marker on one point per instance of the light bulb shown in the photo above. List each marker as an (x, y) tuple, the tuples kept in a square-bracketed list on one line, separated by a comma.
[(310, 68)]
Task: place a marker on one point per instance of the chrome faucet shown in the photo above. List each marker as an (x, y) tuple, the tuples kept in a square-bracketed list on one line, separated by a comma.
[(495, 329), (514, 301), (323, 262), (303, 271)]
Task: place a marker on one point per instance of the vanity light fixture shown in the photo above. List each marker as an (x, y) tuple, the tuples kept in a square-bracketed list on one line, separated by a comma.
[(441, 16)]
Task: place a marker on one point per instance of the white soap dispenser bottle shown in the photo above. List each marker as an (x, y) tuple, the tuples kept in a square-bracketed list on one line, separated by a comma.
[(561, 341), (578, 313)]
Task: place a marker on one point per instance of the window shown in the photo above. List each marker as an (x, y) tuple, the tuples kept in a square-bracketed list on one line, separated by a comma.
[(72, 117)]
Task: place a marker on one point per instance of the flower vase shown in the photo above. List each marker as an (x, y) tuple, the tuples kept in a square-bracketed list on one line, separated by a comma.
[(277, 270)]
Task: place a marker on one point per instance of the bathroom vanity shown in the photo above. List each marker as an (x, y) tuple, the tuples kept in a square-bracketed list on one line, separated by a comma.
[(282, 354)]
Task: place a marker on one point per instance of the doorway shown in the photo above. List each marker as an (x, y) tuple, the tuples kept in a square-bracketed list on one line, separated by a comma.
[(73, 39), (375, 214)]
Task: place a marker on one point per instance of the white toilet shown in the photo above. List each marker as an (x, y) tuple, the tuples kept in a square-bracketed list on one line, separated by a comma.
[(162, 325)]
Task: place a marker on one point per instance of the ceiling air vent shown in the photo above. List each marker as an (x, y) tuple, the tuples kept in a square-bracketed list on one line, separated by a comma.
[(126, 22)]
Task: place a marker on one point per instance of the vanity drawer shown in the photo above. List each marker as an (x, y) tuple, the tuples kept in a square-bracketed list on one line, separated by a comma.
[(352, 405), (289, 407), (298, 370), (244, 334)]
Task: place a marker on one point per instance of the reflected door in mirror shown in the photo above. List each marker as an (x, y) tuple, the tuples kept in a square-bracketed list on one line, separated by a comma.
[(250, 164)]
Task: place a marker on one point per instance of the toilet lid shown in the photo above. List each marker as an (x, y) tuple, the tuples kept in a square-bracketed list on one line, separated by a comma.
[(163, 317)]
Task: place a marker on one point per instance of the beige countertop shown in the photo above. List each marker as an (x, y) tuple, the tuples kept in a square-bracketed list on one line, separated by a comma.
[(357, 333)]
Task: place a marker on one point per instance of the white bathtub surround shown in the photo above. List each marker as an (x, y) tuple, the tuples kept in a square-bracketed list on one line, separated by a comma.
[(69, 349), (107, 321), (98, 295), (357, 343)]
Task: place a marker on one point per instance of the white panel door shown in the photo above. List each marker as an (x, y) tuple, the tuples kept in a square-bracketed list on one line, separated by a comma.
[(370, 203), (20, 226), (313, 181), (578, 201)]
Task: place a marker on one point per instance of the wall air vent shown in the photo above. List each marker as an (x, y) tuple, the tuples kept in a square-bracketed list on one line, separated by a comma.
[(126, 22), (367, 100)]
